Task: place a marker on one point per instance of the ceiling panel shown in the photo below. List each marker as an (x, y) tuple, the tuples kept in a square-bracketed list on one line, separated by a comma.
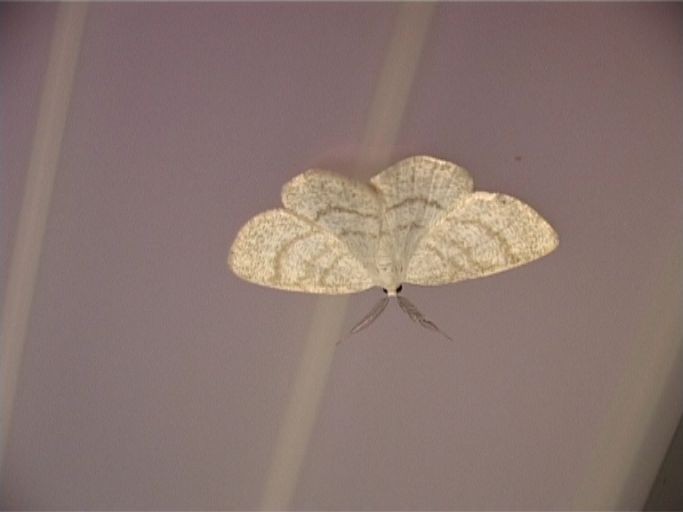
[(152, 378)]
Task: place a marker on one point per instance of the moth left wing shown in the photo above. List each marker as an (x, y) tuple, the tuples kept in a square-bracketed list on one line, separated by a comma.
[(483, 234), (347, 208), (282, 250)]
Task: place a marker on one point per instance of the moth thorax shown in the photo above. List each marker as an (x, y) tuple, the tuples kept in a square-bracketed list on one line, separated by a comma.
[(388, 273)]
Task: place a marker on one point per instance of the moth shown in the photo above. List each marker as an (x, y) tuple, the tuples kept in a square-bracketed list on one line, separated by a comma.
[(419, 222)]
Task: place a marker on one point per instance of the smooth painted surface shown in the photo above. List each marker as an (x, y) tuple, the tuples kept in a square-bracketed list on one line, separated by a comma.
[(153, 379), (35, 205)]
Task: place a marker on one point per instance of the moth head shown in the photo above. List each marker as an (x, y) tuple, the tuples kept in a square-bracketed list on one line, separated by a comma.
[(394, 292)]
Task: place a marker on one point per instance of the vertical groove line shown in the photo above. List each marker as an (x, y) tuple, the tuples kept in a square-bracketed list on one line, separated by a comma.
[(384, 119), (40, 175)]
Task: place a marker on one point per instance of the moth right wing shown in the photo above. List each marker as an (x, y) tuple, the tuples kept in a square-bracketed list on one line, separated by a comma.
[(483, 234), (280, 249)]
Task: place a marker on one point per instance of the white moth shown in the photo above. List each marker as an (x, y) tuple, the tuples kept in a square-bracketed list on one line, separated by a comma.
[(418, 222)]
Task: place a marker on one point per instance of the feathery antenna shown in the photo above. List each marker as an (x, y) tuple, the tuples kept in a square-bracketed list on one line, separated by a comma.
[(367, 319), (415, 315)]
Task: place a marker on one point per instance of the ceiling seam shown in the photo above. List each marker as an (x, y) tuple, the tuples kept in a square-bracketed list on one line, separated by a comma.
[(40, 175), (387, 106)]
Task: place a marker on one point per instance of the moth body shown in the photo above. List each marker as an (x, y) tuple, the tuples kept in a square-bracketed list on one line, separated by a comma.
[(388, 272)]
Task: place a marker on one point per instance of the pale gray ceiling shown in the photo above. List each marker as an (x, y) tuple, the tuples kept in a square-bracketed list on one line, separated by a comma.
[(152, 378)]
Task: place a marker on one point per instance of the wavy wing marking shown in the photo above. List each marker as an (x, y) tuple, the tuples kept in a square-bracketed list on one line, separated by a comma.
[(418, 192), (281, 250), (349, 209), (484, 234)]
